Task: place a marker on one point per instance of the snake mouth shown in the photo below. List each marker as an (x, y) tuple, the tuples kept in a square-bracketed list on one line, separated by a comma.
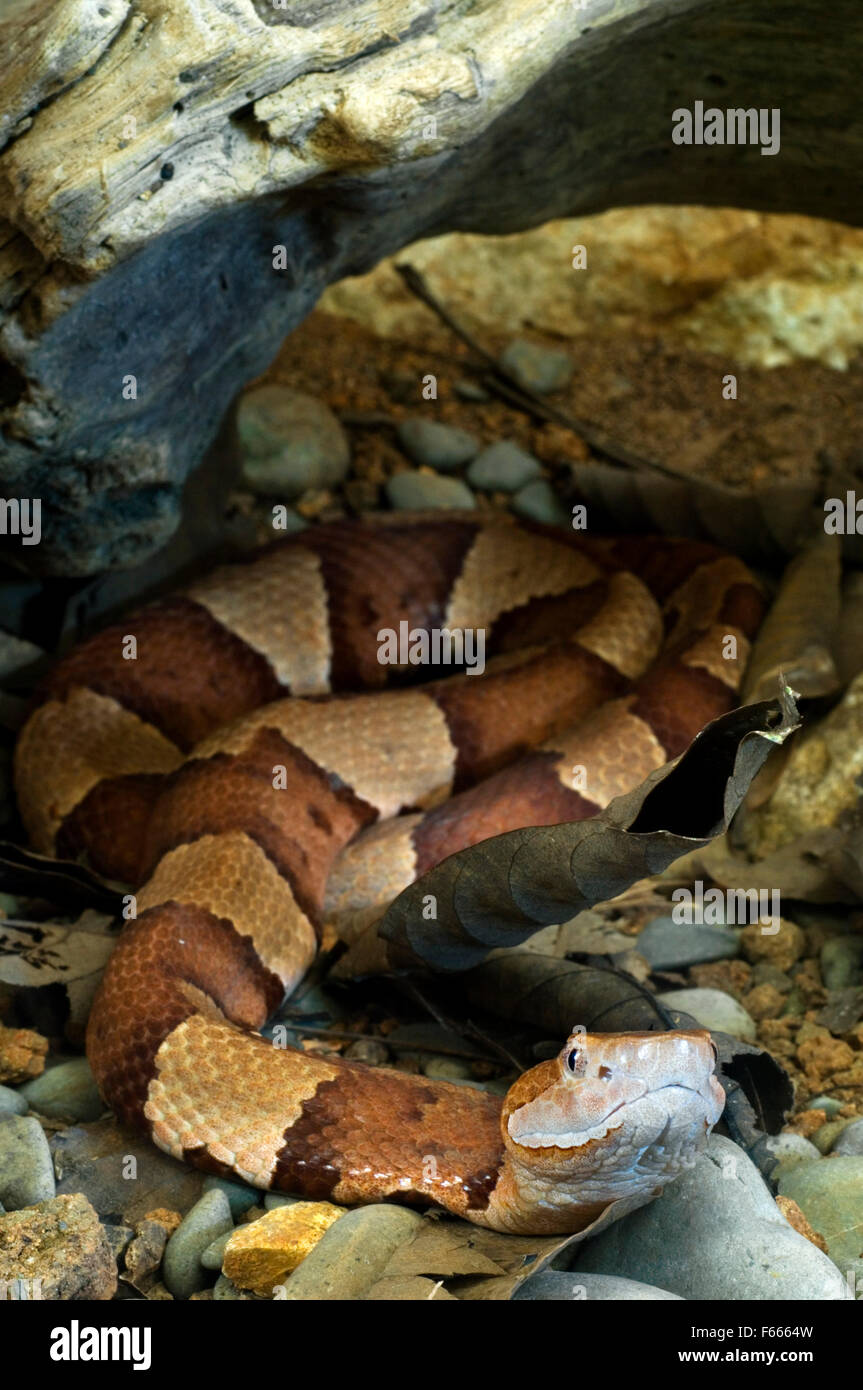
[(573, 1139)]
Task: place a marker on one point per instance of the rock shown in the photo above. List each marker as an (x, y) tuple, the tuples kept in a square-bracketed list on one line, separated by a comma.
[(766, 973), (829, 1104), (537, 368), (668, 945), (842, 962), (12, 1102), (61, 1247), (26, 1170), (764, 1001), (214, 1254), (825, 1138), (503, 467), (850, 1141), (183, 254), (123, 1175), (240, 1197), (790, 1149), (353, 1254), (435, 444), (469, 390), (225, 1290), (795, 1217), (16, 655), (181, 1267), (66, 1092), (418, 491), (538, 501), (22, 1054), (119, 1239), (447, 1069), (716, 1233), (280, 1199), (368, 1050), (289, 442), (781, 948), (713, 1009), (145, 1252), (843, 1009), (830, 1193), (553, 1286), (259, 1256)]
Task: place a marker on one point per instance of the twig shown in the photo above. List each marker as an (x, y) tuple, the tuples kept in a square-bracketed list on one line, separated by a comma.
[(499, 380), (397, 1045), (458, 1030)]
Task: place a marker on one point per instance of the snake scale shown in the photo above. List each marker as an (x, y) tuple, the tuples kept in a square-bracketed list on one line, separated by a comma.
[(240, 756)]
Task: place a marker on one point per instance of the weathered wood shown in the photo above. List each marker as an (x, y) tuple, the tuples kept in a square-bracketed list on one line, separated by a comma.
[(154, 152)]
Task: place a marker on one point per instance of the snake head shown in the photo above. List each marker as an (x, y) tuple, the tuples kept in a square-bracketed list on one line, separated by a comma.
[(615, 1113)]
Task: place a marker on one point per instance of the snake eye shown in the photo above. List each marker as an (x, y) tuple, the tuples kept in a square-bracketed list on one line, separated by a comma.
[(572, 1059)]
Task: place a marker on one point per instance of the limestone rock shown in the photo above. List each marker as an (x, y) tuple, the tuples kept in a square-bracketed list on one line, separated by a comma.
[(60, 1248)]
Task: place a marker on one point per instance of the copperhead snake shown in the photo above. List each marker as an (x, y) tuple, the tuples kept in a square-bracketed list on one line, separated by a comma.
[(255, 771)]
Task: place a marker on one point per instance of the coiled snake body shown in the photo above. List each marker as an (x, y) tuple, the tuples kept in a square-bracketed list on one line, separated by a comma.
[(255, 771)]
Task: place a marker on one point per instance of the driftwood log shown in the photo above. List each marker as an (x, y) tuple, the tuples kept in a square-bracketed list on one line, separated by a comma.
[(155, 153)]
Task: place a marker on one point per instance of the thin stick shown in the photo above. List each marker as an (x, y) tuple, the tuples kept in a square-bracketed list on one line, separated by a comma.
[(505, 385), (397, 1045)]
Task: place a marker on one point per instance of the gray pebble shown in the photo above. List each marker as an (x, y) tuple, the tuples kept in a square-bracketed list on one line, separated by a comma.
[(240, 1197), (352, 1255), (226, 1290), (418, 491), (538, 501), (829, 1104), (66, 1092), (850, 1141), (789, 1149), (830, 1194), (715, 1234), (214, 1254), (280, 1199), (669, 945), (713, 1009), (368, 1050), (536, 368), (558, 1286), (26, 1168), (471, 391), (435, 444), (289, 442), (826, 1136), (12, 1102), (181, 1267), (503, 467), (842, 962), (446, 1069)]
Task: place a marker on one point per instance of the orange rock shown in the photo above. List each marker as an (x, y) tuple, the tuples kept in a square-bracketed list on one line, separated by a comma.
[(807, 1122), (22, 1054), (260, 1255), (164, 1217), (795, 1217)]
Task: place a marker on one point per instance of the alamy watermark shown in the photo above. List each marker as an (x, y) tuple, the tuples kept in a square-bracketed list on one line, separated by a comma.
[(21, 516), (736, 125), (729, 906), (437, 646)]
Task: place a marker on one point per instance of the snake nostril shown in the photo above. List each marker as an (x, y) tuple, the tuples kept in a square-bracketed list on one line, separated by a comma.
[(605, 1073)]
